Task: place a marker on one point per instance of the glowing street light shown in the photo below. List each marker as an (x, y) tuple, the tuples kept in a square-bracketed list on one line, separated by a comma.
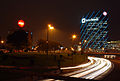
[(74, 36), (49, 25), (49, 28), (2, 42)]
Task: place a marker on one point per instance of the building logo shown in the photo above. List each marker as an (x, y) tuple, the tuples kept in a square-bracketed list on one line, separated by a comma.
[(84, 20)]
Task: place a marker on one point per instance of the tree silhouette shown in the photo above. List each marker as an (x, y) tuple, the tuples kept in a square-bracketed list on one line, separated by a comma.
[(18, 40), (42, 45)]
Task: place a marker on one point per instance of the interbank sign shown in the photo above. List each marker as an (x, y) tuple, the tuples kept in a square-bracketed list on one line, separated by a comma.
[(84, 20)]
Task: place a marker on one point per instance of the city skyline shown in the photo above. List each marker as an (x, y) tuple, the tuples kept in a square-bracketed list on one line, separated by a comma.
[(64, 15), (59, 40)]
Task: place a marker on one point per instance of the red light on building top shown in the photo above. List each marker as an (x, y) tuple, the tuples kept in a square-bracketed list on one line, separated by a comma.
[(21, 23), (104, 13)]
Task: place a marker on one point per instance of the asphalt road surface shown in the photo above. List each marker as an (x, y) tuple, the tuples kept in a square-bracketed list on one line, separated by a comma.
[(19, 75), (115, 73), (97, 67)]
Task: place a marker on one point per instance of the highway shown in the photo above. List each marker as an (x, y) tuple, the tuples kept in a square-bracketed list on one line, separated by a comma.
[(91, 70), (115, 74), (96, 69)]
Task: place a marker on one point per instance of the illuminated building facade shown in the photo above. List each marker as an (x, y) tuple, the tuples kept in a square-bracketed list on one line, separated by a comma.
[(94, 30), (115, 45)]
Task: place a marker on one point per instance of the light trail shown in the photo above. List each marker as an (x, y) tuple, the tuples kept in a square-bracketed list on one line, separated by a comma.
[(92, 71), (80, 66), (84, 69), (99, 72)]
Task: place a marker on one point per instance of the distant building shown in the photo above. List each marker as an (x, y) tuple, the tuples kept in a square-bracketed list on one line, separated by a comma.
[(94, 30), (114, 45)]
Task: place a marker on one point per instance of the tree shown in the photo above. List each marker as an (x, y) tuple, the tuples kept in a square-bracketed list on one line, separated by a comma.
[(42, 45), (18, 40)]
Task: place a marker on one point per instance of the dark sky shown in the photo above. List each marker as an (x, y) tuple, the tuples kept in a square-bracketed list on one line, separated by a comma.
[(63, 14)]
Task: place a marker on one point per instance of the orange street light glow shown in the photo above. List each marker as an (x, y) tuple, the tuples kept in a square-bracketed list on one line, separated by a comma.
[(49, 25), (74, 36), (51, 28), (2, 42), (72, 49)]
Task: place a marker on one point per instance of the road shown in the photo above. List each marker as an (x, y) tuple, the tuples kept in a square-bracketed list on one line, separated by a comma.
[(115, 74), (95, 69)]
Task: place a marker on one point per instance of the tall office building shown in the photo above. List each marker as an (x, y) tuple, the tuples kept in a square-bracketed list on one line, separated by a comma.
[(94, 30)]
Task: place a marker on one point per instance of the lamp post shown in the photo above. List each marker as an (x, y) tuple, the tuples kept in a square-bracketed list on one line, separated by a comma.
[(48, 28), (72, 48), (73, 39)]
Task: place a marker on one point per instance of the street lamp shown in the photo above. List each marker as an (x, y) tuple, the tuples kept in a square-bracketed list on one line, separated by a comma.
[(48, 28), (2, 41), (72, 48), (49, 25), (73, 39), (74, 36), (51, 28)]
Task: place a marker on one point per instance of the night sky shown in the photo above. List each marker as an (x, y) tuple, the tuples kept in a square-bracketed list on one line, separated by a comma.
[(63, 14)]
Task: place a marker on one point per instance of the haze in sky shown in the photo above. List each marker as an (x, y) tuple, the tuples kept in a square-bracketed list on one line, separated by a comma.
[(64, 15)]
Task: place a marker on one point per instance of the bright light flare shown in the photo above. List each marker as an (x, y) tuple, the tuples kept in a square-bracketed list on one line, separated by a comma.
[(2, 41), (51, 28), (74, 36), (49, 25), (21, 23)]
